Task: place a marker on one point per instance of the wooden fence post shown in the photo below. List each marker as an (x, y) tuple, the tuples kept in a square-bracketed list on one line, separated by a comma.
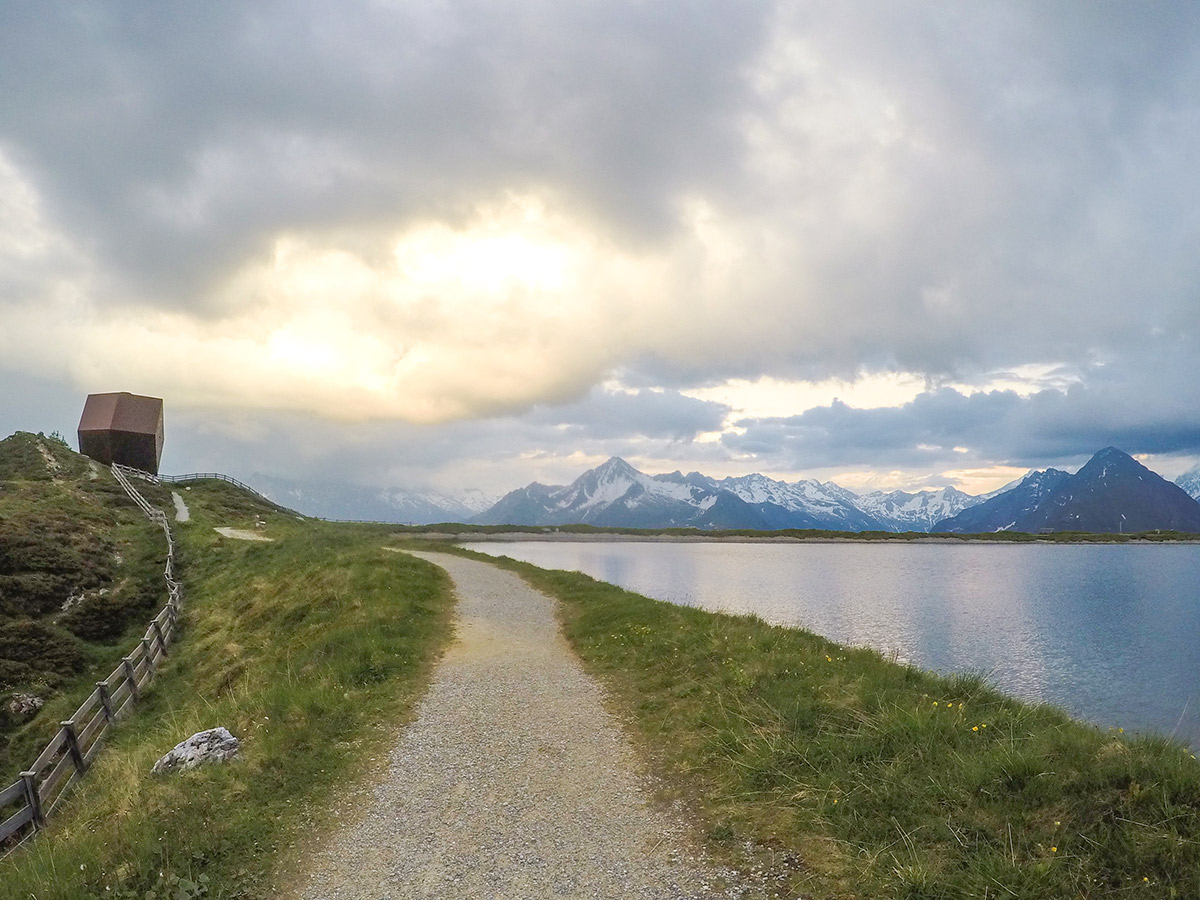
[(149, 654), (106, 702), (162, 642), (133, 688), (34, 801), (73, 746)]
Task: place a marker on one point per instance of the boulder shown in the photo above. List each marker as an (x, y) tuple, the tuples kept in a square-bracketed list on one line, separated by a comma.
[(214, 745), (20, 705)]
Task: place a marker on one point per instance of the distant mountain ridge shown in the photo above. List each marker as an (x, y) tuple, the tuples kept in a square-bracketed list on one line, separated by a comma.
[(615, 494), (1112, 493), (331, 500), (1190, 482)]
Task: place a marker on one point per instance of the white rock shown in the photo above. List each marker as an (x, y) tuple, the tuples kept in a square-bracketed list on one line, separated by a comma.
[(214, 745), (22, 704)]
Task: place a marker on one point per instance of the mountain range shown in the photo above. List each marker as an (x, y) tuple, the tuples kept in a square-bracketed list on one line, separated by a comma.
[(1112, 493)]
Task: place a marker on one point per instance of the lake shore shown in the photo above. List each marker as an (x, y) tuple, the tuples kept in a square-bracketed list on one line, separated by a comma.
[(766, 538), (856, 776)]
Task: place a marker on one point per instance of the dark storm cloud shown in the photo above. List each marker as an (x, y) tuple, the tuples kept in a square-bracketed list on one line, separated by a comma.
[(1050, 427), (829, 188), (179, 139)]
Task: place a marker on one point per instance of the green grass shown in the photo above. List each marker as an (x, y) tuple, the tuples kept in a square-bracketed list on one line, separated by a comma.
[(302, 648), (66, 530), (868, 779)]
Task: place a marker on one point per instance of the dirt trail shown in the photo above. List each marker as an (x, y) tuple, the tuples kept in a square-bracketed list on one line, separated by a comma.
[(513, 781)]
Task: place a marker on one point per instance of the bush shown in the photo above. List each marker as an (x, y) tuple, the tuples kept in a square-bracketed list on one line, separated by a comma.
[(104, 617), (40, 647)]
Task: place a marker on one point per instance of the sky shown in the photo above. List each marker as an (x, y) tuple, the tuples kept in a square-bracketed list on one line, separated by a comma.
[(476, 244)]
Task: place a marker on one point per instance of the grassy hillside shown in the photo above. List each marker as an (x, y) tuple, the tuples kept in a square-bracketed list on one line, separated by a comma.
[(80, 575), (301, 646), (860, 778)]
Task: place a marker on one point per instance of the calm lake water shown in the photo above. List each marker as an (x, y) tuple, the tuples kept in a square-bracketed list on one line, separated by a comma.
[(1110, 633)]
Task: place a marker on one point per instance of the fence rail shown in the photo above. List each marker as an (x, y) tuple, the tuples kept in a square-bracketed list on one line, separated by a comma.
[(65, 760), (202, 476)]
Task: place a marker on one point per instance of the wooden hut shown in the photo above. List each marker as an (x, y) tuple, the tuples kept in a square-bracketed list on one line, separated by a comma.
[(122, 428)]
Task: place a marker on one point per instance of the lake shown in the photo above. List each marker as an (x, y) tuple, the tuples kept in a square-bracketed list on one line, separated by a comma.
[(1111, 633)]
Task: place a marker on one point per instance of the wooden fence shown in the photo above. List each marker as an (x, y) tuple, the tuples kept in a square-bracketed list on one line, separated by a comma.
[(67, 757), (201, 476)]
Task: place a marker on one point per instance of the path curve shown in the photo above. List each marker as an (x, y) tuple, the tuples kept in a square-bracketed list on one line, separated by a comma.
[(513, 781)]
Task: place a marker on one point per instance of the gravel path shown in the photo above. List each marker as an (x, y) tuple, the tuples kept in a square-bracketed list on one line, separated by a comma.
[(513, 781)]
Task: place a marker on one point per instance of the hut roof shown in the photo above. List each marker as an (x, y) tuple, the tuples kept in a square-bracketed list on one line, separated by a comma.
[(122, 411)]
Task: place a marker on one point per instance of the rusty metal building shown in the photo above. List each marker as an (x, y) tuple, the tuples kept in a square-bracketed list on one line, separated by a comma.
[(122, 428)]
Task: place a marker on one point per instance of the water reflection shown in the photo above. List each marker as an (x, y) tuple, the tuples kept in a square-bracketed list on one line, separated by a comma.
[(1111, 633)]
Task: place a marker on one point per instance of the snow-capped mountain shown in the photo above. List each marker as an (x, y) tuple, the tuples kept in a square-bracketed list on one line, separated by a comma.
[(1005, 510), (1190, 482), (617, 494), (807, 504), (1113, 493), (348, 501), (902, 511)]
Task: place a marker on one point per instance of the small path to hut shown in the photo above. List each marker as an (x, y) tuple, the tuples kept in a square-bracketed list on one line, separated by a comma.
[(182, 513), (513, 781)]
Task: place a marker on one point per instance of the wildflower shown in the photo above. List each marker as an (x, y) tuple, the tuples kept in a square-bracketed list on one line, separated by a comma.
[(984, 725), (1057, 823), (1145, 879), (1053, 849), (935, 703), (974, 727)]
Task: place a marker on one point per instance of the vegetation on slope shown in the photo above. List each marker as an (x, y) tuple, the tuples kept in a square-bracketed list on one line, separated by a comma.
[(871, 779), (80, 575), (301, 647)]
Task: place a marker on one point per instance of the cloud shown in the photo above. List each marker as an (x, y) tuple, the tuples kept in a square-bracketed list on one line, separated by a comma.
[(947, 429), (616, 413), (473, 215)]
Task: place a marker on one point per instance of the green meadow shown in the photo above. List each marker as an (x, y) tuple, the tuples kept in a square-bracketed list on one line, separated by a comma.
[(312, 649)]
